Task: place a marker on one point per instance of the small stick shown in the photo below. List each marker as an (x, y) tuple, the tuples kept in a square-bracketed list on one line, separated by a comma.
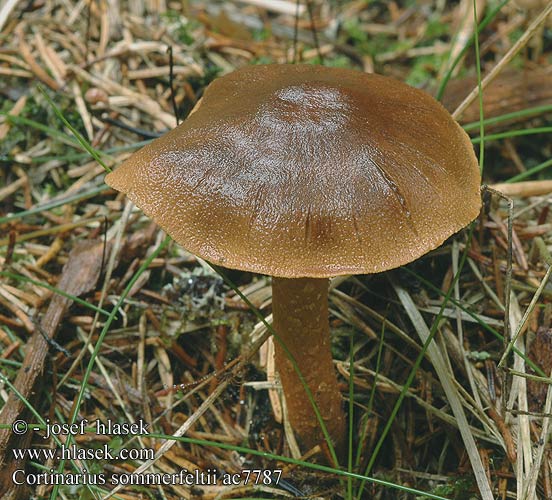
[(80, 275)]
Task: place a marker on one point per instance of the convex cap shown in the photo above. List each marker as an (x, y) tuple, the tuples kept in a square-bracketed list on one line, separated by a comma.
[(308, 171)]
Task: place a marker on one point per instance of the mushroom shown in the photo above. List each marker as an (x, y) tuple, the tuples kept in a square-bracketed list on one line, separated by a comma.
[(302, 173)]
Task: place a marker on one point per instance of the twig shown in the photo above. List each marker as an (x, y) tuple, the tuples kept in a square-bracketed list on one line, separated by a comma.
[(79, 276)]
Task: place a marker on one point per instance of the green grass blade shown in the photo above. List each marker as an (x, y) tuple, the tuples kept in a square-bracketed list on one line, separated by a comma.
[(309, 465), (26, 279), (351, 417), (532, 171), (58, 202), (480, 96), (82, 141), (42, 422), (515, 115), (482, 323), (513, 133), (21, 121), (107, 325), (482, 25), (370, 404)]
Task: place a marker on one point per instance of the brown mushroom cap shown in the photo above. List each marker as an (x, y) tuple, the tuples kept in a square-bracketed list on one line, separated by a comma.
[(307, 171)]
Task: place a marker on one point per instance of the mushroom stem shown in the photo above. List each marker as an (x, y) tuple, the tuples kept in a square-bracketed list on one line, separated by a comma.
[(300, 319)]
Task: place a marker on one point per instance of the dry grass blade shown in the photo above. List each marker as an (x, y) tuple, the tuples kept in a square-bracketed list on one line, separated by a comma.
[(530, 489), (524, 189), (6, 10), (510, 92), (528, 312), (445, 377), (520, 427), (279, 6), (460, 329), (522, 42), (464, 32)]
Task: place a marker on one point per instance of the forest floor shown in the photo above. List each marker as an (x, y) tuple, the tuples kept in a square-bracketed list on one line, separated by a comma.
[(103, 319)]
